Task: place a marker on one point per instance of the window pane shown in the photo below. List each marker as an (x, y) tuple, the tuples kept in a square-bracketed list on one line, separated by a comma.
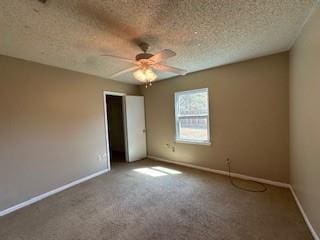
[(193, 128), (192, 116), (193, 103)]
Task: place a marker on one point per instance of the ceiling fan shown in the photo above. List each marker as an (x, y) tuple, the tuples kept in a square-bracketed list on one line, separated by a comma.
[(146, 62)]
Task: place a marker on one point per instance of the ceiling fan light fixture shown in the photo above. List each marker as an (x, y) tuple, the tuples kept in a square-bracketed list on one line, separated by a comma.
[(151, 76), (145, 75), (139, 75)]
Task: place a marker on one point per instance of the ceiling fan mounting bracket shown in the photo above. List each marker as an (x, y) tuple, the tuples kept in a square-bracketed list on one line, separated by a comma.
[(144, 46)]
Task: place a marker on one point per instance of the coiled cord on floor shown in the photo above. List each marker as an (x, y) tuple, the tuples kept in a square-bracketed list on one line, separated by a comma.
[(264, 187)]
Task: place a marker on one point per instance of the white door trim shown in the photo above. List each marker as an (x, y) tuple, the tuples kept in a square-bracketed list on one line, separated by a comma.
[(105, 93), (114, 93)]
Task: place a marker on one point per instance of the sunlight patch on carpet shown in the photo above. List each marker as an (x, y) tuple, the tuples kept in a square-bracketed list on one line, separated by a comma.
[(167, 170), (157, 171)]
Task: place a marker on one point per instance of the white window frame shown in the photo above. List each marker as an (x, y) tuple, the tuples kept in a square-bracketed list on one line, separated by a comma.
[(177, 139)]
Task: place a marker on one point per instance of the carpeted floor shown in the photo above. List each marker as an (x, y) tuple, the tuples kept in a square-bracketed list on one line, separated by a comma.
[(129, 204)]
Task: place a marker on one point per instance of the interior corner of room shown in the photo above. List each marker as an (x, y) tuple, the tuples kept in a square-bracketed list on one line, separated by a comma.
[(154, 118)]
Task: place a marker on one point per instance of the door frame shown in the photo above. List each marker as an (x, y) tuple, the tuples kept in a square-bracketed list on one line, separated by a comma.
[(122, 95)]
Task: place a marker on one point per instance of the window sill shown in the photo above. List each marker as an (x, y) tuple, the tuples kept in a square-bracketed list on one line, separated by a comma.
[(193, 142)]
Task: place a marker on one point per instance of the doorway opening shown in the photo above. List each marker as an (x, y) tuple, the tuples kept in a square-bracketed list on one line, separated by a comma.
[(125, 128), (116, 131)]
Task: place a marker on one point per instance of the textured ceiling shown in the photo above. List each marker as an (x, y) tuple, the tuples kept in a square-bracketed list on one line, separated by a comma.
[(73, 34)]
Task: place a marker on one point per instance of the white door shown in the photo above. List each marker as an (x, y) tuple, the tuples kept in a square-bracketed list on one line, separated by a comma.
[(135, 128)]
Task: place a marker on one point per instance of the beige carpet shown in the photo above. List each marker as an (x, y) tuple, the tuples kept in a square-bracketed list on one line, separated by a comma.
[(128, 204)]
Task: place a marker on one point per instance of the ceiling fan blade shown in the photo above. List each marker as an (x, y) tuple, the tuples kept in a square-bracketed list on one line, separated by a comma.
[(124, 71), (162, 55), (165, 68), (120, 58)]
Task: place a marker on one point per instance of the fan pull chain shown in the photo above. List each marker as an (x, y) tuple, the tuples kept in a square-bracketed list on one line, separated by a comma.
[(148, 83)]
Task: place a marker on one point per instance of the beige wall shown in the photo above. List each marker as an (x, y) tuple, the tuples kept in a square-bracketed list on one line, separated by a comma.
[(51, 127), (305, 119), (249, 118)]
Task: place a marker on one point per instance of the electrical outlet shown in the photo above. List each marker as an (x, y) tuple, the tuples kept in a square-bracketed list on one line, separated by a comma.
[(171, 147)]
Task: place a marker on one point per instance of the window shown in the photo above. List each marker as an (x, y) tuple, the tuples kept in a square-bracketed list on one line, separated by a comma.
[(192, 116)]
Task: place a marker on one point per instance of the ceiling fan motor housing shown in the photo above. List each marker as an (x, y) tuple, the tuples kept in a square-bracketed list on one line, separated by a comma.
[(143, 56)]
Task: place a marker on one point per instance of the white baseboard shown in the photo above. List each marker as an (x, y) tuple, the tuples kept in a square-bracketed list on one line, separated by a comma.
[(306, 219), (47, 194), (236, 175)]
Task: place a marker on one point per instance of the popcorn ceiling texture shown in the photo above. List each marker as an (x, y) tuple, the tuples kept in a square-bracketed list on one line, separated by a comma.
[(73, 34)]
